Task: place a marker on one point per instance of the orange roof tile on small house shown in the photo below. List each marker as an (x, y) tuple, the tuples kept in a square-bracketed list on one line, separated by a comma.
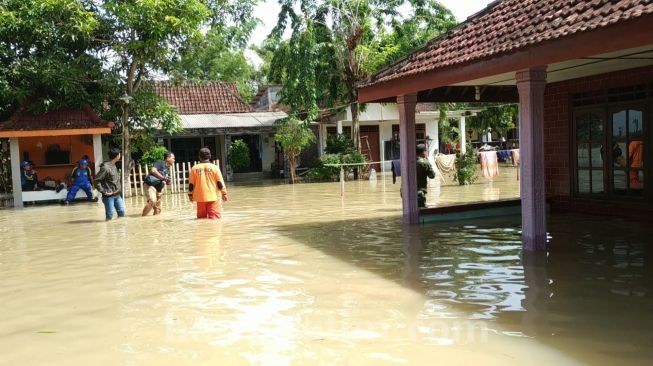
[(516, 34), (55, 123), (206, 98)]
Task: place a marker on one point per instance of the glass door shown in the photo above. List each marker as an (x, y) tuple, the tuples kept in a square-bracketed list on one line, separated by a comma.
[(589, 152), (627, 156)]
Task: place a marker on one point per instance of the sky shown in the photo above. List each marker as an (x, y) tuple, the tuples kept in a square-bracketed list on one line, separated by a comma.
[(268, 12)]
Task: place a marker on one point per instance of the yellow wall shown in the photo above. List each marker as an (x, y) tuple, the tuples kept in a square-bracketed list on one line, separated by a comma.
[(37, 146)]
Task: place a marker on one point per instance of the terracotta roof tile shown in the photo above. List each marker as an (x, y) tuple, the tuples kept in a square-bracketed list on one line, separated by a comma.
[(84, 118), (207, 98), (511, 25)]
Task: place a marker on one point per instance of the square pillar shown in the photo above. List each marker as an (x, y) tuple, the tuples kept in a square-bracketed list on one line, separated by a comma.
[(463, 135), (14, 154), (97, 152), (531, 84), (406, 105)]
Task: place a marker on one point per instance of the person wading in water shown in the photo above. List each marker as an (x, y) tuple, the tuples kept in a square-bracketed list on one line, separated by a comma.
[(205, 183), (156, 183)]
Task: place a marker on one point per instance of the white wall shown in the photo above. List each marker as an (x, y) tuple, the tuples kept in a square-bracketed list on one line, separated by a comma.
[(268, 151), (384, 115)]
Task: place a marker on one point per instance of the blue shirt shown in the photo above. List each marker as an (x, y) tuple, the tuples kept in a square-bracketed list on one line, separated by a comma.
[(81, 175)]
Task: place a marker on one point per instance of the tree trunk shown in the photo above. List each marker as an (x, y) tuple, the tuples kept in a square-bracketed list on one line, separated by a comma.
[(292, 162), (355, 131), (126, 156), (355, 126)]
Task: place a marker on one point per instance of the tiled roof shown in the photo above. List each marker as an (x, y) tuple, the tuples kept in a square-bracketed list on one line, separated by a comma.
[(84, 118), (206, 98), (509, 26)]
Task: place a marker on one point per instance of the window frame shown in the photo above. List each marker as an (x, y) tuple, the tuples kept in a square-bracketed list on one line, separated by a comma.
[(605, 111)]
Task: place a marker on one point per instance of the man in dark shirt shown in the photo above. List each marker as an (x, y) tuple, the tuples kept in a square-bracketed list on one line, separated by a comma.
[(108, 183), (156, 183), (424, 171)]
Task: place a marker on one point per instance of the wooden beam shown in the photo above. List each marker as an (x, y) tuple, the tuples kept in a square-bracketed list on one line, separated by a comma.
[(45, 133)]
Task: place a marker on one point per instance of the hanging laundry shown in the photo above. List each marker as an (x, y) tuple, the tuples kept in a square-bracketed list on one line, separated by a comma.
[(489, 164), (515, 157), (504, 155), (446, 163)]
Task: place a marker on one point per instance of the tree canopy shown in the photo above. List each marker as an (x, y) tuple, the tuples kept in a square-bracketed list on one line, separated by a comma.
[(345, 42), (220, 55), (47, 54)]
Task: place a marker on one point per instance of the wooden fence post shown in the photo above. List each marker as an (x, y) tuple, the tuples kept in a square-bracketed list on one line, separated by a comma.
[(140, 175), (129, 181)]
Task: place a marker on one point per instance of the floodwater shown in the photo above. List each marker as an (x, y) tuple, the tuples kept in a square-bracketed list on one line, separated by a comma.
[(295, 275)]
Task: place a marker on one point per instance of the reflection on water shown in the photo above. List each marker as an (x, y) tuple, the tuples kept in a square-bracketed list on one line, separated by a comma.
[(295, 276)]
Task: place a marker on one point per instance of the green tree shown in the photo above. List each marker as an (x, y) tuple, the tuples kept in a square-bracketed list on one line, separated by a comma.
[(466, 167), (239, 156), (48, 55), (350, 34), (500, 118), (220, 54), (153, 154), (293, 136), (145, 37)]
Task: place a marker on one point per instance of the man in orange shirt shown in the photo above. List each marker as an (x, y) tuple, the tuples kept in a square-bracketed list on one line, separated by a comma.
[(636, 158), (205, 183)]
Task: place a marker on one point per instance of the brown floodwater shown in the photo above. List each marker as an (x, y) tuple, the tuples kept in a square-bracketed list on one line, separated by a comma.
[(295, 275)]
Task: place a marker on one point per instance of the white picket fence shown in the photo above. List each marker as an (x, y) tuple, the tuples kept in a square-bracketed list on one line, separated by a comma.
[(179, 174)]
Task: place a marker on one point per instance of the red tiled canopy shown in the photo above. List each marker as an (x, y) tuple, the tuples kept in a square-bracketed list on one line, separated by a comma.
[(509, 26), (62, 122), (207, 98)]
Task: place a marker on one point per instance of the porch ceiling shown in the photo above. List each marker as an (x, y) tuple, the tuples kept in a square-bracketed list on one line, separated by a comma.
[(578, 68)]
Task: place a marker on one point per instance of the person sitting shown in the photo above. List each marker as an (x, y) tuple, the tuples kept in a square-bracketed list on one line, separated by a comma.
[(81, 177), (28, 177)]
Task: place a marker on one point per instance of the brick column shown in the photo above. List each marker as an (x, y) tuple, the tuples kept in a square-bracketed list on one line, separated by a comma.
[(406, 105), (531, 84)]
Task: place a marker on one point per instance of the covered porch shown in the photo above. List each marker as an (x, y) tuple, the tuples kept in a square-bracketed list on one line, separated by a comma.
[(217, 131), (53, 143), (509, 53)]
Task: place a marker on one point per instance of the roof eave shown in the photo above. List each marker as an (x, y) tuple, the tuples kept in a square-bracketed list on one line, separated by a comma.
[(598, 41), (62, 132)]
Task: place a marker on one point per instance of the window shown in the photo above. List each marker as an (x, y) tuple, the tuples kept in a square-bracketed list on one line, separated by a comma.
[(627, 151), (610, 148), (590, 162), (332, 131)]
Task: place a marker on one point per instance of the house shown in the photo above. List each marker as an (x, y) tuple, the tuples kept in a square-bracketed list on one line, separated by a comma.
[(582, 72), (212, 115), (54, 142), (267, 99), (379, 129)]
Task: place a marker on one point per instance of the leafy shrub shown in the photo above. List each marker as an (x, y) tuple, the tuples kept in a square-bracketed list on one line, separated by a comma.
[(466, 167), (330, 173), (153, 154), (339, 144), (239, 156), (323, 172)]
